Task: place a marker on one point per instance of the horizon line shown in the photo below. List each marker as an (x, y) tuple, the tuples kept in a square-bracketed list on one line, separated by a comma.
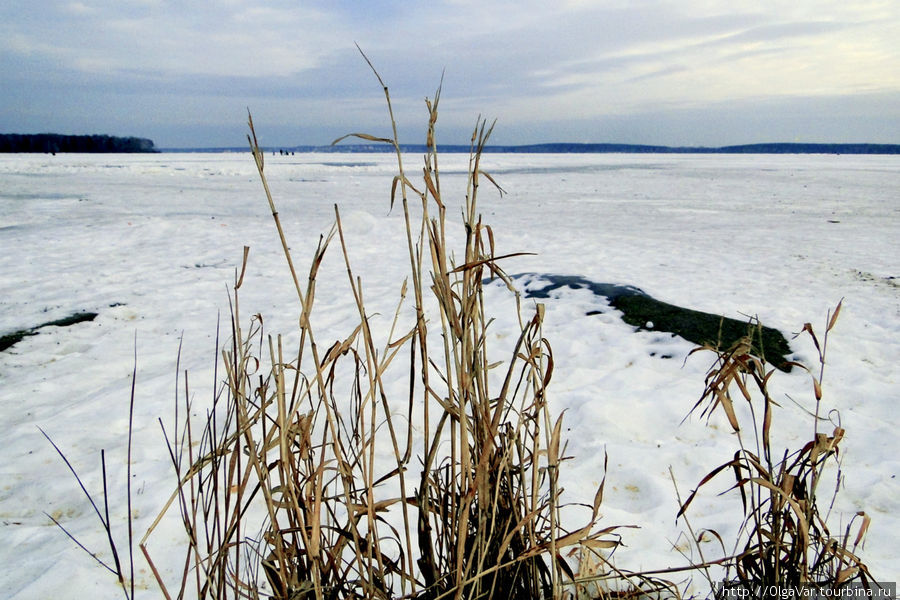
[(576, 147)]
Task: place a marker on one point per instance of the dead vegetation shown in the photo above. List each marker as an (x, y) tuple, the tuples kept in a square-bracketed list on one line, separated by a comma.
[(450, 493), (785, 539)]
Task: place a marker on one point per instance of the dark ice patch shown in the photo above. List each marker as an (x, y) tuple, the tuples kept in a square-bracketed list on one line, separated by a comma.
[(644, 312), (10, 339)]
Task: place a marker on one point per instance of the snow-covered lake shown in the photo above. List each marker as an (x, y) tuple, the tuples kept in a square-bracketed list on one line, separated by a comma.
[(151, 244)]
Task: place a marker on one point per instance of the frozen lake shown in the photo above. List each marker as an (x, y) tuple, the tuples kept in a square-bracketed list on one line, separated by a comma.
[(151, 242)]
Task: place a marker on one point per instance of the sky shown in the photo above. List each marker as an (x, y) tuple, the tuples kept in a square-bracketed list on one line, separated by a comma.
[(672, 72)]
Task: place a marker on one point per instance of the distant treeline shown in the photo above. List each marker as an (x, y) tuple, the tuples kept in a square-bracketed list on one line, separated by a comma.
[(566, 148), (770, 148), (52, 143), (563, 148)]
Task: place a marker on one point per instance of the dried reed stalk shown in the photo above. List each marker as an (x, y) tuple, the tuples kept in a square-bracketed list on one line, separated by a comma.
[(300, 448)]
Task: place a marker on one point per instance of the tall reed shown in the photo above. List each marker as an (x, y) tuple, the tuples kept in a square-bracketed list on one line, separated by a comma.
[(468, 503), (785, 539)]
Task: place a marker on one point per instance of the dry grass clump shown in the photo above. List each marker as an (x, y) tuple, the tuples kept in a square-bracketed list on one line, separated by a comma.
[(785, 539), (449, 492)]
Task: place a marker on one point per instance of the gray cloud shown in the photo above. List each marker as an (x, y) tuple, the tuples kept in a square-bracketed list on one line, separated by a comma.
[(193, 67)]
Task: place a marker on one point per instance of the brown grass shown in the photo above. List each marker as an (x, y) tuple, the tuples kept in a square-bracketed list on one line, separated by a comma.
[(785, 539), (451, 492)]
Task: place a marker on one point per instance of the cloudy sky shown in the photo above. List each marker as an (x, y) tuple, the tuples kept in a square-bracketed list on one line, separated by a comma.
[(676, 72)]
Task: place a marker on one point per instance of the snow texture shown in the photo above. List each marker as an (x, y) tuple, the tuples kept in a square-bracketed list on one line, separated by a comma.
[(151, 244)]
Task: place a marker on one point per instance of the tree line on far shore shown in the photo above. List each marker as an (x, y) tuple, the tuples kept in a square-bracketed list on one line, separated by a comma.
[(51, 143)]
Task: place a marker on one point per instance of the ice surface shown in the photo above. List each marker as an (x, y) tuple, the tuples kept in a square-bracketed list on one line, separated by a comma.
[(151, 244)]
